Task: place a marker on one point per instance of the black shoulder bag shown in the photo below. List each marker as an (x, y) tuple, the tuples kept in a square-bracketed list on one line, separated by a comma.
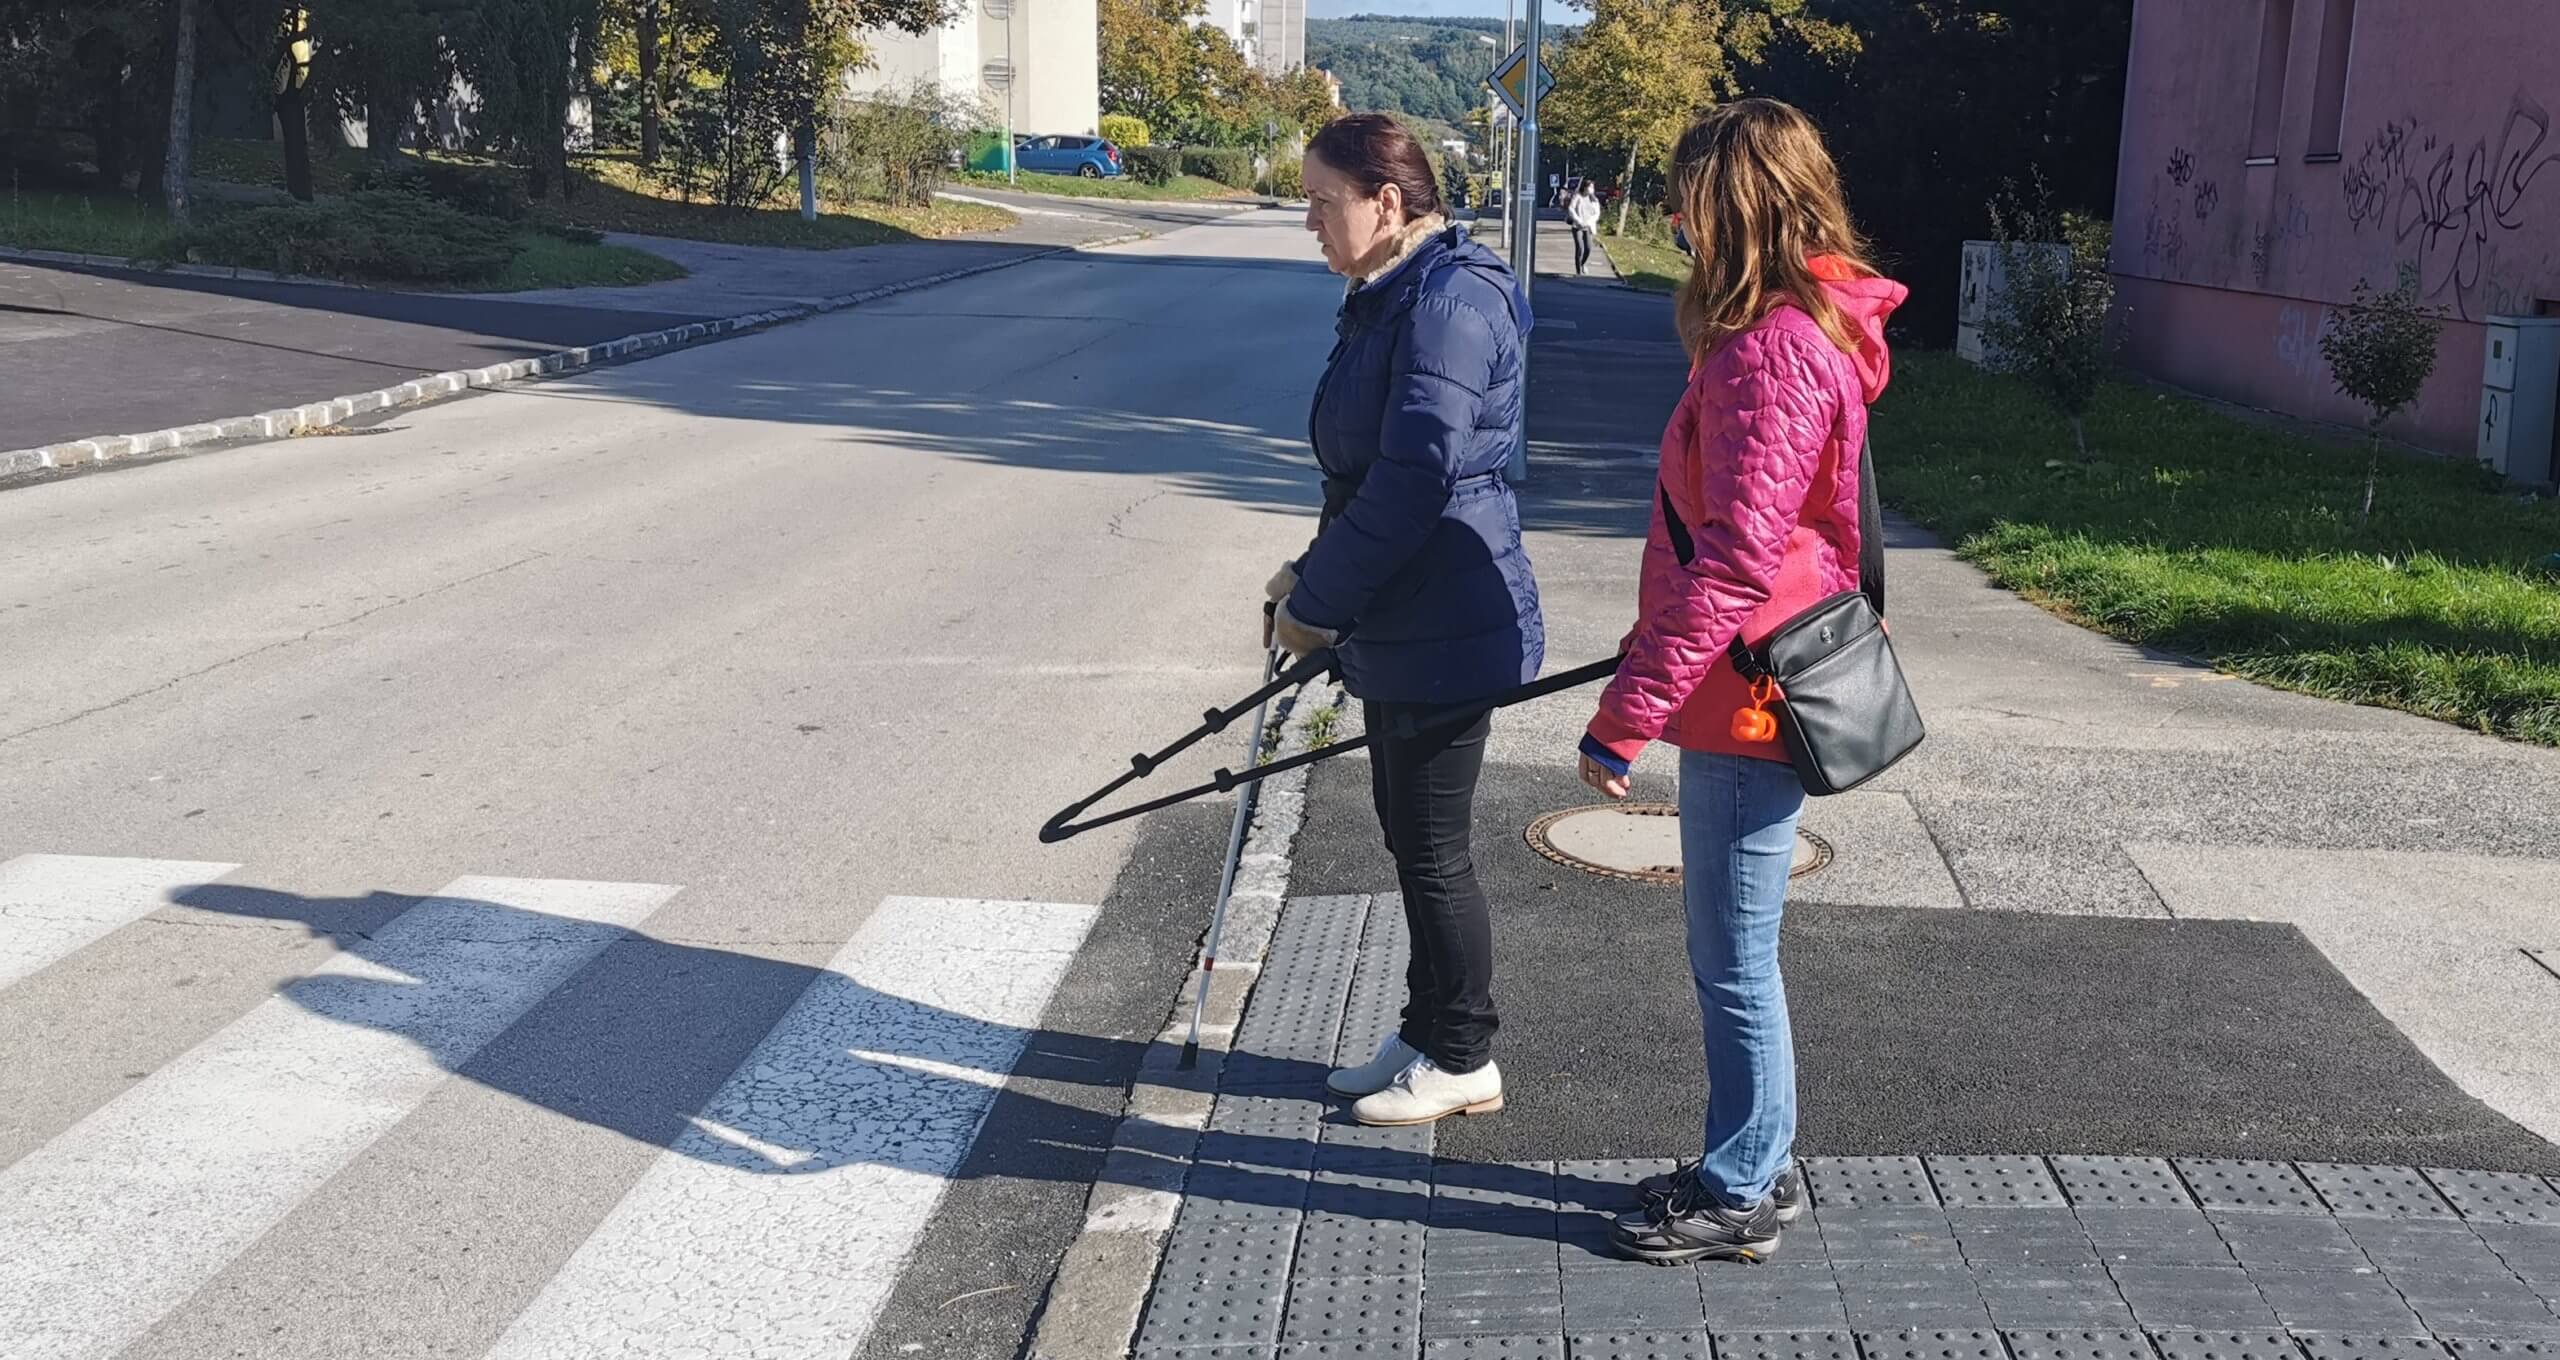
[(1840, 702)]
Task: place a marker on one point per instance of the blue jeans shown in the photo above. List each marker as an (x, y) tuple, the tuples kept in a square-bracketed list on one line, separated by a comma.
[(1737, 844)]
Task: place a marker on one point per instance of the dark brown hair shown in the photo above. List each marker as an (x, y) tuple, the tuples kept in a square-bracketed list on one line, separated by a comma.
[(1373, 150)]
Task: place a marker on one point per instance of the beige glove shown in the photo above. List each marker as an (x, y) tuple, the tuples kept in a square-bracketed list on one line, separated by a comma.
[(1282, 582), (1298, 639)]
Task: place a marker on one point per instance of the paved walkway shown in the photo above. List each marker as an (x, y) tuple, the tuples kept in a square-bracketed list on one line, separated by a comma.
[(1555, 249), (1302, 1234)]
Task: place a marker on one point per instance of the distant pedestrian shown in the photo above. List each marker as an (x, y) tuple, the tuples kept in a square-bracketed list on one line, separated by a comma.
[(1417, 578), (1756, 518), (1583, 212)]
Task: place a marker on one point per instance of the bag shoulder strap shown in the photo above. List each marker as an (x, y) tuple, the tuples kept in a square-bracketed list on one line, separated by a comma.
[(1870, 529)]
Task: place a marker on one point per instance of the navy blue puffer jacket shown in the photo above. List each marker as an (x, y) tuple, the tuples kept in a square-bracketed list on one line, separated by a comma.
[(1418, 557)]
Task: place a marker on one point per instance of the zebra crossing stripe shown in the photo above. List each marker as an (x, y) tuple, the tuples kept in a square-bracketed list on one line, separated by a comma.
[(776, 1226), (54, 906), (129, 1212)]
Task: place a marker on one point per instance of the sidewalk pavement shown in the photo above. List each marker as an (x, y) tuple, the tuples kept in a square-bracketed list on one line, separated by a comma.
[(1555, 249), (96, 352), (2127, 1012)]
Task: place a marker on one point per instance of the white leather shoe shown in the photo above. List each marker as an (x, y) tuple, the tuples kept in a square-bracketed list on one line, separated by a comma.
[(1377, 1074), (1423, 1093)]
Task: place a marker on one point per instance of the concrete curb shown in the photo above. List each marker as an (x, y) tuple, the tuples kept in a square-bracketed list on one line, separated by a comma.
[(288, 421), (1092, 1309), (190, 271)]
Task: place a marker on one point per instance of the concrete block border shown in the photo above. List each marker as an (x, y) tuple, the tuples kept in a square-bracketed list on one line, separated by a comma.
[(1092, 1309), (288, 421)]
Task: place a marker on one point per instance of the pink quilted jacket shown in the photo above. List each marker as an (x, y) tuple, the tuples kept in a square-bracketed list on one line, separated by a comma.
[(1760, 463)]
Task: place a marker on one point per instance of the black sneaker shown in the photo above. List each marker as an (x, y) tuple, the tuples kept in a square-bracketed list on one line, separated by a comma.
[(1787, 1193), (1692, 1226)]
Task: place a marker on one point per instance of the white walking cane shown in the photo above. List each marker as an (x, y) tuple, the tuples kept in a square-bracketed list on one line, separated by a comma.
[(1245, 799)]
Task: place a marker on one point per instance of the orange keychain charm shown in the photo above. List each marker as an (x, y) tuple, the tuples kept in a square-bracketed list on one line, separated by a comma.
[(1756, 723)]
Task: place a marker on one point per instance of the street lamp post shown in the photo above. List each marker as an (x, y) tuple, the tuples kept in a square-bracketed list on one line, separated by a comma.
[(1524, 218)]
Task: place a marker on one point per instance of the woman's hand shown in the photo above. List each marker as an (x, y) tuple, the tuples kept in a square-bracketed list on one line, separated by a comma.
[(1610, 783)]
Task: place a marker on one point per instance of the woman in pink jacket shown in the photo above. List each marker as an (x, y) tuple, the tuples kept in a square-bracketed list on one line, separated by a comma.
[(1755, 518)]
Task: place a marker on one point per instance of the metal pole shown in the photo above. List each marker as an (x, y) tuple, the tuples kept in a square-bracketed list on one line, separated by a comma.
[(1012, 77), (1524, 250)]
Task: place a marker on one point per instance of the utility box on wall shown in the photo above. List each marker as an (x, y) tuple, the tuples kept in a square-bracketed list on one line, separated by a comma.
[(1985, 280), (2520, 396)]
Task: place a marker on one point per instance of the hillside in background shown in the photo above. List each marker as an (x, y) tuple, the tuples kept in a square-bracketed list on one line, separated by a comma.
[(1429, 68)]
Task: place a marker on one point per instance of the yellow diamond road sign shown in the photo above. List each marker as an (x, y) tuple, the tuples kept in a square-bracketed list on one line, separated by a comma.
[(1511, 78)]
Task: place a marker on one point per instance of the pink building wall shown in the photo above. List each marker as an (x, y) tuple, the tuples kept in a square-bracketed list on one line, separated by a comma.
[(2447, 159)]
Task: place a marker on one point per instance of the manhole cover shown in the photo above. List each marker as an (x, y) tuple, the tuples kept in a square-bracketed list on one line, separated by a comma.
[(1638, 841)]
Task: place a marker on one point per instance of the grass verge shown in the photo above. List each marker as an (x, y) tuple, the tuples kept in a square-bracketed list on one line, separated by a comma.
[(89, 224), (614, 194), (1653, 268), (1184, 188), (2239, 545)]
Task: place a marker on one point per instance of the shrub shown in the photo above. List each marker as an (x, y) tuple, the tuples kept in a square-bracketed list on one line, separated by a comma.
[(1125, 130), (384, 235), (483, 191), (1228, 165), (1155, 165), (1288, 178), (896, 146), (2050, 323), (2381, 347)]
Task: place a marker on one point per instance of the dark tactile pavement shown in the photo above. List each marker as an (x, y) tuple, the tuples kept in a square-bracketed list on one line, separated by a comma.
[(1302, 1235)]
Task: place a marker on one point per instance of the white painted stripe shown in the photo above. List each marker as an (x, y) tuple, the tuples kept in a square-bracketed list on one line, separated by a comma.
[(53, 906), (775, 1227), (133, 1209)]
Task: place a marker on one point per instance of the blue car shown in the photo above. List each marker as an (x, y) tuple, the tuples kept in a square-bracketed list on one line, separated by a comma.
[(1088, 157)]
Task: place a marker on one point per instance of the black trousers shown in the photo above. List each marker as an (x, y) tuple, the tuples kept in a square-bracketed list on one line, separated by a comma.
[(1581, 248), (1425, 788)]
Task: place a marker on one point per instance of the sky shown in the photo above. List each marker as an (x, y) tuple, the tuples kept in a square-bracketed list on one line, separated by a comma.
[(1431, 9)]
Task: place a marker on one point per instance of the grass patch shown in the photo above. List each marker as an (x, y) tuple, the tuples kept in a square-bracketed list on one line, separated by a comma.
[(546, 261), (1183, 189), (2221, 539), (91, 224), (1653, 268)]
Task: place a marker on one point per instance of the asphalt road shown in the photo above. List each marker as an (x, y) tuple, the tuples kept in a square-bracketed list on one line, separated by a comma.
[(738, 651)]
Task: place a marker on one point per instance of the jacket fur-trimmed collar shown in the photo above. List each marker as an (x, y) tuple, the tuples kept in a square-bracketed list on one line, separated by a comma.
[(1408, 239)]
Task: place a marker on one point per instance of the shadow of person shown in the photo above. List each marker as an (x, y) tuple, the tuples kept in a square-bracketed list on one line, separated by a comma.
[(769, 1067)]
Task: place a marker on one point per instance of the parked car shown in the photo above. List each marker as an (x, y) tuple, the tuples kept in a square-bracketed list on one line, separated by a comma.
[(1089, 157)]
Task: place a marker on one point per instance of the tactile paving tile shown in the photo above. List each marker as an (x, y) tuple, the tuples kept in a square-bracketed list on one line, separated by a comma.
[(1282, 1116), (2346, 1346), (1228, 1251), (2068, 1343), (1772, 1298), (1869, 1183), (2225, 1185), (1256, 1351), (1605, 1186), (2330, 1301), (2032, 1294), (2121, 1182), (1329, 923), (1470, 1189), (2530, 1250), (1401, 1348), (1244, 1194), (2162, 1237), (2012, 1236), (1187, 1313), (1350, 1309), (1541, 1346), (2375, 1191), (2214, 1299), (1488, 1245), (1633, 1296), (2290, 1242), (1994, 1183), (2252, 1345), (2424, 1246), (1886, 1298), (1338, 1246), (1379, 1195), (1257, 1151), (1411, 1141), (1866, 1236), (1273, 1075), (2468, 1348), (1831, 1345), (1638, 1346), (1932, 1345), (2498, 1196), (1385, 930)]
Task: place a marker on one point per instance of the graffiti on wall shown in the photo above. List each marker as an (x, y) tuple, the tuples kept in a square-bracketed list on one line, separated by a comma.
[(2298, 339), (2289, 222), (2449, 202), (2208, 198), (2164, 236), (2182, 167)]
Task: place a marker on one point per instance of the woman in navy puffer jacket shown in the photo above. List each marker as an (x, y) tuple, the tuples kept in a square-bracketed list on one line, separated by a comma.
[(1417, 577)]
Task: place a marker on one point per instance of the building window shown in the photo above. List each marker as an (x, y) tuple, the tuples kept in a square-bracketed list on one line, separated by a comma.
[(2329, 91), (2275, 37)]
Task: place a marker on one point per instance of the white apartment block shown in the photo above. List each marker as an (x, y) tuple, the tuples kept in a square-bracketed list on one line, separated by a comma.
[(1037, 59)]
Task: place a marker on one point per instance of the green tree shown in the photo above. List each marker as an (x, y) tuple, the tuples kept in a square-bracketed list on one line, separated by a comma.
[(2051, 323), (2381, 347), (1635, 78)]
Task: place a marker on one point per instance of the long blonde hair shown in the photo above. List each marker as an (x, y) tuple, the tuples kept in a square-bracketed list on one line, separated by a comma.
[(1760, 200)]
